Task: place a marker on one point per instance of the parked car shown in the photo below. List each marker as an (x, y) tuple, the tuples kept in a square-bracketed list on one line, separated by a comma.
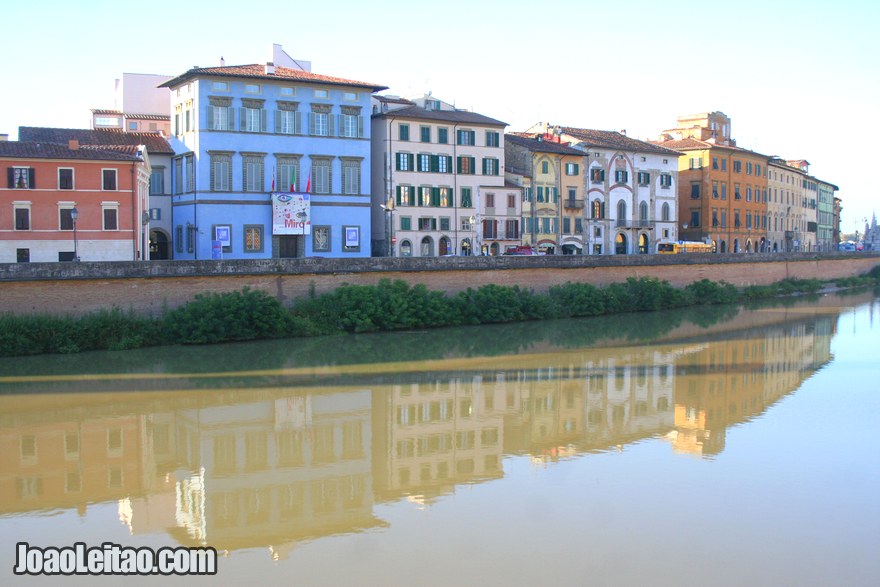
[(521, 250)]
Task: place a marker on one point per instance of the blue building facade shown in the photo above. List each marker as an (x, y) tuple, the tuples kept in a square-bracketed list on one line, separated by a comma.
[(242, 133)]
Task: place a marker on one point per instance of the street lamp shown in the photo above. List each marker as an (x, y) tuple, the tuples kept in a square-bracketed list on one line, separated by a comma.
[(74, 214), (389, 224)]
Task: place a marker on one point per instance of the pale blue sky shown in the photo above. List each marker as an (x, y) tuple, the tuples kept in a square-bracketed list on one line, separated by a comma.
[(798, 79)]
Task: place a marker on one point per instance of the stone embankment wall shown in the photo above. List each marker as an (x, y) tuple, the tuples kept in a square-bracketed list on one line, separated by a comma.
[(148, 287)]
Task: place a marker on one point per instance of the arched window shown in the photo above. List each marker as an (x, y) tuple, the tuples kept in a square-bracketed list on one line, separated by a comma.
[(466, 248), (643, 244), (643, 212), (427, 249), (445, 246), (406, 249), (620, 242), (664, 212), (621, 213)]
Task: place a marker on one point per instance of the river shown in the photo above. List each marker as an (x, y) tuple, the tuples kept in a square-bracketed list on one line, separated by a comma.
[(709, 446)]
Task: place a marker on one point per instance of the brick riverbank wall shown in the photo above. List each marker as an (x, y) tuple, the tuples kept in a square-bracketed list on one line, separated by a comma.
[(149, 287)]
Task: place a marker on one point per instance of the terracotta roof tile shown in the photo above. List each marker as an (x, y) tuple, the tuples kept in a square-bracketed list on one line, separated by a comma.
[(33, 150), (155, 143), (610, 139), (453, 116), (533, 144), (259, 72)]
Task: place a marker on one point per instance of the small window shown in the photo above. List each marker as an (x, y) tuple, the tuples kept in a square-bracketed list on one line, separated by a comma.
[(220, 86), (252, 88), (351, 96), (322, 94), (253, 238), (425, 134), (288, 92), (443, 136), (108, 182), (21, 178), (545, 167), (403, 132), (110, 218), (22, 218), (321, 239)]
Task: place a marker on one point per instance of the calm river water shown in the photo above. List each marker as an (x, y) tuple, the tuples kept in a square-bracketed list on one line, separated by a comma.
[(715, 446)]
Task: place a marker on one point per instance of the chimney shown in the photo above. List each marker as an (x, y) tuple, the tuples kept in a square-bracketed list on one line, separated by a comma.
[(222, 62), (270, 68), (623, 131), (73, 145)]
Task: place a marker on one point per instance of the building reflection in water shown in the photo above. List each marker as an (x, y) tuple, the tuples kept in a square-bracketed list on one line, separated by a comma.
[(274, 466)]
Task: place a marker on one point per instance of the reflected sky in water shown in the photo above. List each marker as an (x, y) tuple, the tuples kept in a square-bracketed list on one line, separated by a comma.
[(717, 445)]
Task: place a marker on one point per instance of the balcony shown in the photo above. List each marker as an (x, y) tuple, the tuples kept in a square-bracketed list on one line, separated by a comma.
[(635, 223), (573, 204)]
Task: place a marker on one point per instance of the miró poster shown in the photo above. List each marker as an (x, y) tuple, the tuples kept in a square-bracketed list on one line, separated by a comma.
[(291, 213)]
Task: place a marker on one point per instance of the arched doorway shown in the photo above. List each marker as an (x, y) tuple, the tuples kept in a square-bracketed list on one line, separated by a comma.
[(159, 249), (763, 244), (445, 246), (775, 247), (406, 249), (714, 246), (427, 248), (643, 244), (620, 244), (723, 246), (495, 249), (749, 246), (736, 245), (466, 248)]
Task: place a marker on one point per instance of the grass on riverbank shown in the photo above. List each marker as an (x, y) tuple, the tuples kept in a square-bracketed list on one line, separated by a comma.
[(389, 305)]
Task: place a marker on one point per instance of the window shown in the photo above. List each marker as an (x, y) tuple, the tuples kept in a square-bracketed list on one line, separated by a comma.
[(572, 169), (490, 200), (490, 166), (724, 165), (748, 167), (665, 180), (511, 200), (736, 222), (108, 179), (403, 132), (405, 161), (424, 162), (252, 119), (621, 176), (714, 162), (643, 212), (406, 195), (65, 219), (736, 193), (465, 137), (220, 86), (288, 174), (664, 212), (466, 198), (351, 177), (443, 136), (350, 96), (288, 92), (545, 167), (221, 172), (405, 223), (427, 223), (20, 177), (111, 213), (220, 115), (598, 209), (724, 219), (322, 94), (22, 255), (695, 190), (22, 217), (441, 163), (351, 124), (695, 218), (425, 196), (321, 242), (723, 190), (493, 139), (737, 166), (65, 178), (696, 163), (287, 119), (320, 122), (597, 175), (749, 194), (466, 165), (253, 238), (189, 162), (157, 182), (321, 176), (425, 134), (644, 178), (444, 223), (252, 173)]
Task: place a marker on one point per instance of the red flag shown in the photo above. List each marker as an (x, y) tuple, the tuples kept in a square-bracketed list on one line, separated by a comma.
[(309, 184)]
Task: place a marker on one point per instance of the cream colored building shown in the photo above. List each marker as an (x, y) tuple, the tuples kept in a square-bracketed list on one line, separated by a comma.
[(438, 181)]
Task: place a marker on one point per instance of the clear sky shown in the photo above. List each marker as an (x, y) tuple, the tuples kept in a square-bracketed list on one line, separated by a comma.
[(800, 80)]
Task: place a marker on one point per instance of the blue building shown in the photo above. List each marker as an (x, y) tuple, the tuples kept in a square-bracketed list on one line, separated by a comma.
[(243, 133)]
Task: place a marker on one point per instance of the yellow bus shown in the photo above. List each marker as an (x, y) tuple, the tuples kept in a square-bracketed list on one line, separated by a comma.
[(685, 247)]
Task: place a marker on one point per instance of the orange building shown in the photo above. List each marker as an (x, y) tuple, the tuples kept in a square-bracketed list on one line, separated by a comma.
[(73, 202), (722, 188)]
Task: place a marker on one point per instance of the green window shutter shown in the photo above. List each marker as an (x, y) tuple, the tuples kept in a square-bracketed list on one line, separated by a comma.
[(209, 120), (458, 164), (411, 159), (263, 126), (485, 161), (555, 196), (230, 118), (330, 119), (297, 123), (399, 201), (397, 164), (435, 196), (311, 123), (360, 127), (241, 119), (277, 121), (435, 163), (473, 137), (577, 169), (473, 165), (412, 196), (449, 164)]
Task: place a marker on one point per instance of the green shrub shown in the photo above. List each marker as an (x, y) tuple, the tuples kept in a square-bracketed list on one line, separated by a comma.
[(706, 292), (497, 303), (230, 316), (576, 299)]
